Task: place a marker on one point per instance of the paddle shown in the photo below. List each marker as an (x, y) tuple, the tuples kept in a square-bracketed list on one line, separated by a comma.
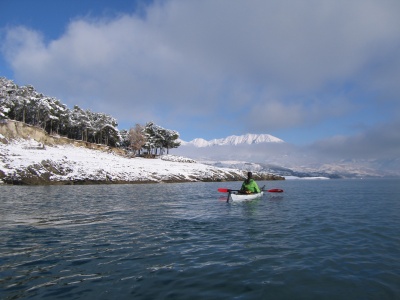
[(223, 190)]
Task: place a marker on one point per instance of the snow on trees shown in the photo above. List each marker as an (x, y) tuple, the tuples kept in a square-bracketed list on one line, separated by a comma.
[(25, 104), (159, 138), (151, 138)]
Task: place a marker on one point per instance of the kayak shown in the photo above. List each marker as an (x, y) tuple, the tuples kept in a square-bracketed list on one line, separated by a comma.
[(243, 197)]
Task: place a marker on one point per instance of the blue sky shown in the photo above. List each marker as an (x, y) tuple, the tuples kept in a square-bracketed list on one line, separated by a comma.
[(308, 72)]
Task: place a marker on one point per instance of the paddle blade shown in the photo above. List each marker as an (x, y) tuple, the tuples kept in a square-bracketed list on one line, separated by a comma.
[(275, 191), (223, 190)]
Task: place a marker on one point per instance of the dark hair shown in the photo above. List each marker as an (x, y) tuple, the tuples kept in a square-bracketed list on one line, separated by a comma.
[(249, 176)]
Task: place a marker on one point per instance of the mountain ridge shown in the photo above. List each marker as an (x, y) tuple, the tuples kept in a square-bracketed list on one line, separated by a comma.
[(234, 140), (257, 153)]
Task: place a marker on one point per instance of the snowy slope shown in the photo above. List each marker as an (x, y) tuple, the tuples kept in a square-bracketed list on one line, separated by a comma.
[(234, 140), (21, 159)]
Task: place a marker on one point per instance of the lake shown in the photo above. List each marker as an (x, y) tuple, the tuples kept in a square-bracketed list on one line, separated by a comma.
[(320, 239)]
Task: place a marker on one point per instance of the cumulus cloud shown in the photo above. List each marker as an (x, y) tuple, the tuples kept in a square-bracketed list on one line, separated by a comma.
[(272, 61)]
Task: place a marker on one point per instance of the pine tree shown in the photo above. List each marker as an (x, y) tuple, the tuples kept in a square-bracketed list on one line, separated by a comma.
[(160, 138), (25, 104)]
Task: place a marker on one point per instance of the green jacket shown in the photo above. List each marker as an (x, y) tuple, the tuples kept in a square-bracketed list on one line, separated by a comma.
[(252, 186)]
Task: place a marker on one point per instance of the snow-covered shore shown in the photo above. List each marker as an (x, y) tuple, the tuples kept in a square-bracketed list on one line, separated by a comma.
[(29, 162)]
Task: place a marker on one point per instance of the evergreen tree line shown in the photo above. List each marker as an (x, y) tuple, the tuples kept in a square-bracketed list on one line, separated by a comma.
[(26, 105), (150, 139)]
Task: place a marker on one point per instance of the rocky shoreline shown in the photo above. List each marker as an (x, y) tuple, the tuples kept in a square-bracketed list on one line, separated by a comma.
[(44, 175), (51, 172)]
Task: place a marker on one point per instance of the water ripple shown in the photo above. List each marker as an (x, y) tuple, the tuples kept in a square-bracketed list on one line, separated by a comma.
[(333, 240)]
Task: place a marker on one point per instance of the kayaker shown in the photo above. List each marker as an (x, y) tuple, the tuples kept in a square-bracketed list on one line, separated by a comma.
[(249, 185)]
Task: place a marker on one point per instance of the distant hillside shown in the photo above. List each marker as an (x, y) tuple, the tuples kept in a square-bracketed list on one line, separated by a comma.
[(267, 153), (234, 140)]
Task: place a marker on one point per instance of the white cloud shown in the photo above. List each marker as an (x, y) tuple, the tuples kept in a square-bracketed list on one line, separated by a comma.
[(307, 113), (193, 57)]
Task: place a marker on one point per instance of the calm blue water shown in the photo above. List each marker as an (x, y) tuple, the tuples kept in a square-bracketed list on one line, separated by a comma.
[(332, 239)]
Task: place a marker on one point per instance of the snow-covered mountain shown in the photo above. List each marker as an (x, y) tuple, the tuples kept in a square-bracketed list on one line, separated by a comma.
[(234, 140), (263, 152)]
